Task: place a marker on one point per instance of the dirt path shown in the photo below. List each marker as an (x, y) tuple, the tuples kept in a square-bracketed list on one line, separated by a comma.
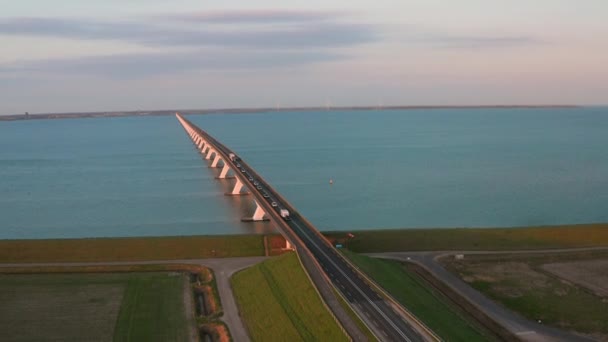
[(524, 329), (223, 268)]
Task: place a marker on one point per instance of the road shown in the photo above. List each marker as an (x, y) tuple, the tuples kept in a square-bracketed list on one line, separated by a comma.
[(521, 327), (387, 324)]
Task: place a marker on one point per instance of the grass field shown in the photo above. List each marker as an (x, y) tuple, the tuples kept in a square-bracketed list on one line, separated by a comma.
[(476, 238), (278, 303), (520, 283), (429, 306), (94, 307), (130, 249)]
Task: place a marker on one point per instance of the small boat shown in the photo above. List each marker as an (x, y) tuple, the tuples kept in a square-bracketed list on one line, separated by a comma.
[(331, 181)]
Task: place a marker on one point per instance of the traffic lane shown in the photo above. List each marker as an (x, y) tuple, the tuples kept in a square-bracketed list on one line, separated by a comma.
[(358, 293), (383, 324), (375, 308)]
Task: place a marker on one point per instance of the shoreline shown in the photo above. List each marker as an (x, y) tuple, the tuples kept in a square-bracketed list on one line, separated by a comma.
[(166, 112), (363, 241), (329, 232)]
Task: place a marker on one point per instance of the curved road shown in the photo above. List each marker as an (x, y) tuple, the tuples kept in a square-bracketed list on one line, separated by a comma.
[(521, 327)]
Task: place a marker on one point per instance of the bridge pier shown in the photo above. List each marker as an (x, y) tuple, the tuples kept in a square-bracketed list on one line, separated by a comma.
[(211, 151), (224, 173), (258, 215), (236, 191), (216, 160)]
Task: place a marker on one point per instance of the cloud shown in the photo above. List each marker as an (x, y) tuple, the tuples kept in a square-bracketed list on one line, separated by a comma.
[(303, 30), (256, 16), (151, 64), (476, 42)]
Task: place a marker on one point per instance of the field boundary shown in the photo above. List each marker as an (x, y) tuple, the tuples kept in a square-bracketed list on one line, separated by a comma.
[(321, 298)]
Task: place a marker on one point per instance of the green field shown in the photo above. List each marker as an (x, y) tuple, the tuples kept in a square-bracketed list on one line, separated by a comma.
[(95, 307), (278, 303), (130, 249), (428, 305), (370, 241)]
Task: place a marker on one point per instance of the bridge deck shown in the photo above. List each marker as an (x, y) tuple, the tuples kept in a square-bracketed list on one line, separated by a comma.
[(323, 262)]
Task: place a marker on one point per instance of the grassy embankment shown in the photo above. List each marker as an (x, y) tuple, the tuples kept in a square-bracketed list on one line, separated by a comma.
[(568, 236), (520, 283), (80, 307), (278, 303), (428, 305), (130, 249)]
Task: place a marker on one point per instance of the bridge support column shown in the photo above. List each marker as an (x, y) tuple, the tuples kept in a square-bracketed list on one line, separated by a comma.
[(201, 143), (224, 173), (208, 156), (258, 215), (236, 191), (216, 160), (237, 187)]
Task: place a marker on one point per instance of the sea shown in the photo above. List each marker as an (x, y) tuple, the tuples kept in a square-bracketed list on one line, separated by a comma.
[(142, 176)]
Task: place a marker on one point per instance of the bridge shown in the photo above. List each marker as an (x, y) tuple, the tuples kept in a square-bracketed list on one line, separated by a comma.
[(327, 268)]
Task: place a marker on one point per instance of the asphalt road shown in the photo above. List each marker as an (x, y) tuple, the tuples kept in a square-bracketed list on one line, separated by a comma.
[(387, 324), (521, 327)]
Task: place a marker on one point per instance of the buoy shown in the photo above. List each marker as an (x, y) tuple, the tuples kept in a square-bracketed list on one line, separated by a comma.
[(331, 181)]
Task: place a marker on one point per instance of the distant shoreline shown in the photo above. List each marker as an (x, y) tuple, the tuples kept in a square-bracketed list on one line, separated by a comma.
[(42, 116)]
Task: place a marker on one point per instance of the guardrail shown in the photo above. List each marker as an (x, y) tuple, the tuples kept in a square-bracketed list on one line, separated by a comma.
[(418, 325)]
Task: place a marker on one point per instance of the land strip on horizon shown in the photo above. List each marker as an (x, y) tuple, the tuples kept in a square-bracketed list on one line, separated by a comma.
[(163, 112)]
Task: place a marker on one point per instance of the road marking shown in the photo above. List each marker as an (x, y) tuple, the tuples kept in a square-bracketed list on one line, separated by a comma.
[(354, 285), (223, 149)]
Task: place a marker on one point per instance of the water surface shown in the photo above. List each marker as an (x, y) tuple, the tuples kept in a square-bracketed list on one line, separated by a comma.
[(419, 168)]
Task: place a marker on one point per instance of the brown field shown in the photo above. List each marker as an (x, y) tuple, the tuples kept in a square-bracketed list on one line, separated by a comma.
[(590, 274), (130, 249)]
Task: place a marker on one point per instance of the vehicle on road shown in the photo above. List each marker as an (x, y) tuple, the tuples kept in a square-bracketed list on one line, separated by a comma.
[(274, 204), (265, 195), (258, 187), (251, 179), (285, 214)]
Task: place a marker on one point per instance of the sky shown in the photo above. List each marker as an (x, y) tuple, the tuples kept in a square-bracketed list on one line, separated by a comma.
[(75, 56)]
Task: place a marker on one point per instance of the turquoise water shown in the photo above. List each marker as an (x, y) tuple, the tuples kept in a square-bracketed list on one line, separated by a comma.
[(140, 176)]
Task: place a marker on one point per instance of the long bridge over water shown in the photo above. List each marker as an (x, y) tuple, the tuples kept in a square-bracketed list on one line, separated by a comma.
[(330, 272)]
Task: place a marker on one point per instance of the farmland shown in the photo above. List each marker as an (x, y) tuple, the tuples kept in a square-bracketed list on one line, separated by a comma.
[(537, 286), (95, 307)]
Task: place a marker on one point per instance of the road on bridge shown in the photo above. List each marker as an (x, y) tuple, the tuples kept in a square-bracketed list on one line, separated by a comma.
[(381, 317)]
